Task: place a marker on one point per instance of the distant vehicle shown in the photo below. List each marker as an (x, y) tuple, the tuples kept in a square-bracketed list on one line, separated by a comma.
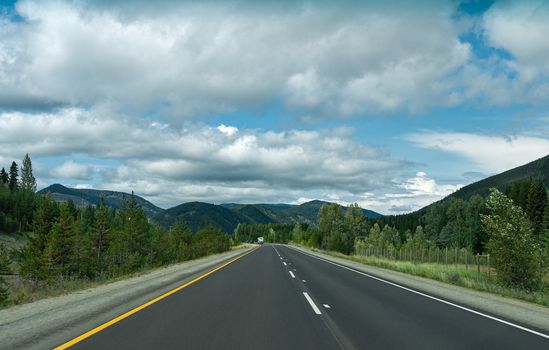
[(260, 240)]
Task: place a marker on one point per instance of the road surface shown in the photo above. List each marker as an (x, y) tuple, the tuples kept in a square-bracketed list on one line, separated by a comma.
[(279, 298)]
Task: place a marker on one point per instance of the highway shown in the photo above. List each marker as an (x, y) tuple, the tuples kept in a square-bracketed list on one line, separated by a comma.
[(276, 297)]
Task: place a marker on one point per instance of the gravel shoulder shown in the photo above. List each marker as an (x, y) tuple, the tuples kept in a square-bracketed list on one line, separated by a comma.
[(50, 322), (526, 314)]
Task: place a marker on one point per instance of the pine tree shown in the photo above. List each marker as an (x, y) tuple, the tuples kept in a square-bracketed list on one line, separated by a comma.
[(4, 178), (130, 241), (13, 181), (60, 245), (100, 235), (537, 202), (28, 182)]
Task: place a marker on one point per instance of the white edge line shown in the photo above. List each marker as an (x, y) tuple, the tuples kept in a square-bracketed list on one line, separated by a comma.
[(276, 251), (428, 296), (291, 274), (312, 303)]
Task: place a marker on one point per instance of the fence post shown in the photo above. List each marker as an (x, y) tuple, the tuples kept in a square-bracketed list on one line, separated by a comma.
[(488, 265), (478, 264), (437, 253)]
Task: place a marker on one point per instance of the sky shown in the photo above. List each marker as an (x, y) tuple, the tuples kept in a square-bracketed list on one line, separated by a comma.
[(388, 104)]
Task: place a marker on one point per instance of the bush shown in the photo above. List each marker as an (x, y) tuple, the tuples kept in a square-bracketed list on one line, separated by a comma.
[(517, 256)]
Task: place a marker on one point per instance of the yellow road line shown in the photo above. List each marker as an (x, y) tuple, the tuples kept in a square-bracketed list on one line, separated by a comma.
[(141, 307)]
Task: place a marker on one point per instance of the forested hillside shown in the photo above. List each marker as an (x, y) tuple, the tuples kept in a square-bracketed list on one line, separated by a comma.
[(65, 242), (455, 220), (198, 214), (83, 197), (538, 169)]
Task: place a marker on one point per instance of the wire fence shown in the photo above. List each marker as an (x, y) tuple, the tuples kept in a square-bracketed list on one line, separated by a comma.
[(451, 257)]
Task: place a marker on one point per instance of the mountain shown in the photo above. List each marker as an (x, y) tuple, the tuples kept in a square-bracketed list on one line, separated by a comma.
[(198, 215), (538, 169), (286, 213), (256, 213), (308, 212), (85, 197)]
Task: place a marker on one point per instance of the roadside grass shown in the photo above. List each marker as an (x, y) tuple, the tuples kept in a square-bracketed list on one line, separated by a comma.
[(452, 274), (23, 291), (14, 240)]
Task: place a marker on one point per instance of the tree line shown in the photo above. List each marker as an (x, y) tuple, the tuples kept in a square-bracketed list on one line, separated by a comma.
[(66, 242), (17, 199), (512, 226)]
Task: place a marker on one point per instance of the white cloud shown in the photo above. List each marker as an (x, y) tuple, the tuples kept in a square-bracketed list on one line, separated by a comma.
[(72, 170), (171, 165), (517, 72), (521, 28), (227, 130), (158, 159), (191, 59), (83, 186), (412, 194), (491, 154)]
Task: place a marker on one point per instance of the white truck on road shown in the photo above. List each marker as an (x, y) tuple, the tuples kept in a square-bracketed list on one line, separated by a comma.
[(260, 240)]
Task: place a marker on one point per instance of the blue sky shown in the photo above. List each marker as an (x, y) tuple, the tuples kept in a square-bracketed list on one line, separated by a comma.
[(392, 105)]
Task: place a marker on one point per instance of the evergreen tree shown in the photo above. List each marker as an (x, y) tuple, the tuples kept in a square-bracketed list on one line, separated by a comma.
[(45, 216), (537, 202), (33, 259), (60, 245), (4, 178), (130, 240), (100, 234), (181, 238), (13, 181), (28, 182)]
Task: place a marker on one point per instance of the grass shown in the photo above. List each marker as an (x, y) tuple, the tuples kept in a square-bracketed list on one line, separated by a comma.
[(13, 240), (452, 274)]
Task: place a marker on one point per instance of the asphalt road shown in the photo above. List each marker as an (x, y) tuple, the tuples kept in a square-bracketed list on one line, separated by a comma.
[(279, 298)]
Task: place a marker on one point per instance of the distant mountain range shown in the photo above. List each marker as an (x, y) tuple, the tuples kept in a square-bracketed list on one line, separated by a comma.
[(228, 216), (198, 214)]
